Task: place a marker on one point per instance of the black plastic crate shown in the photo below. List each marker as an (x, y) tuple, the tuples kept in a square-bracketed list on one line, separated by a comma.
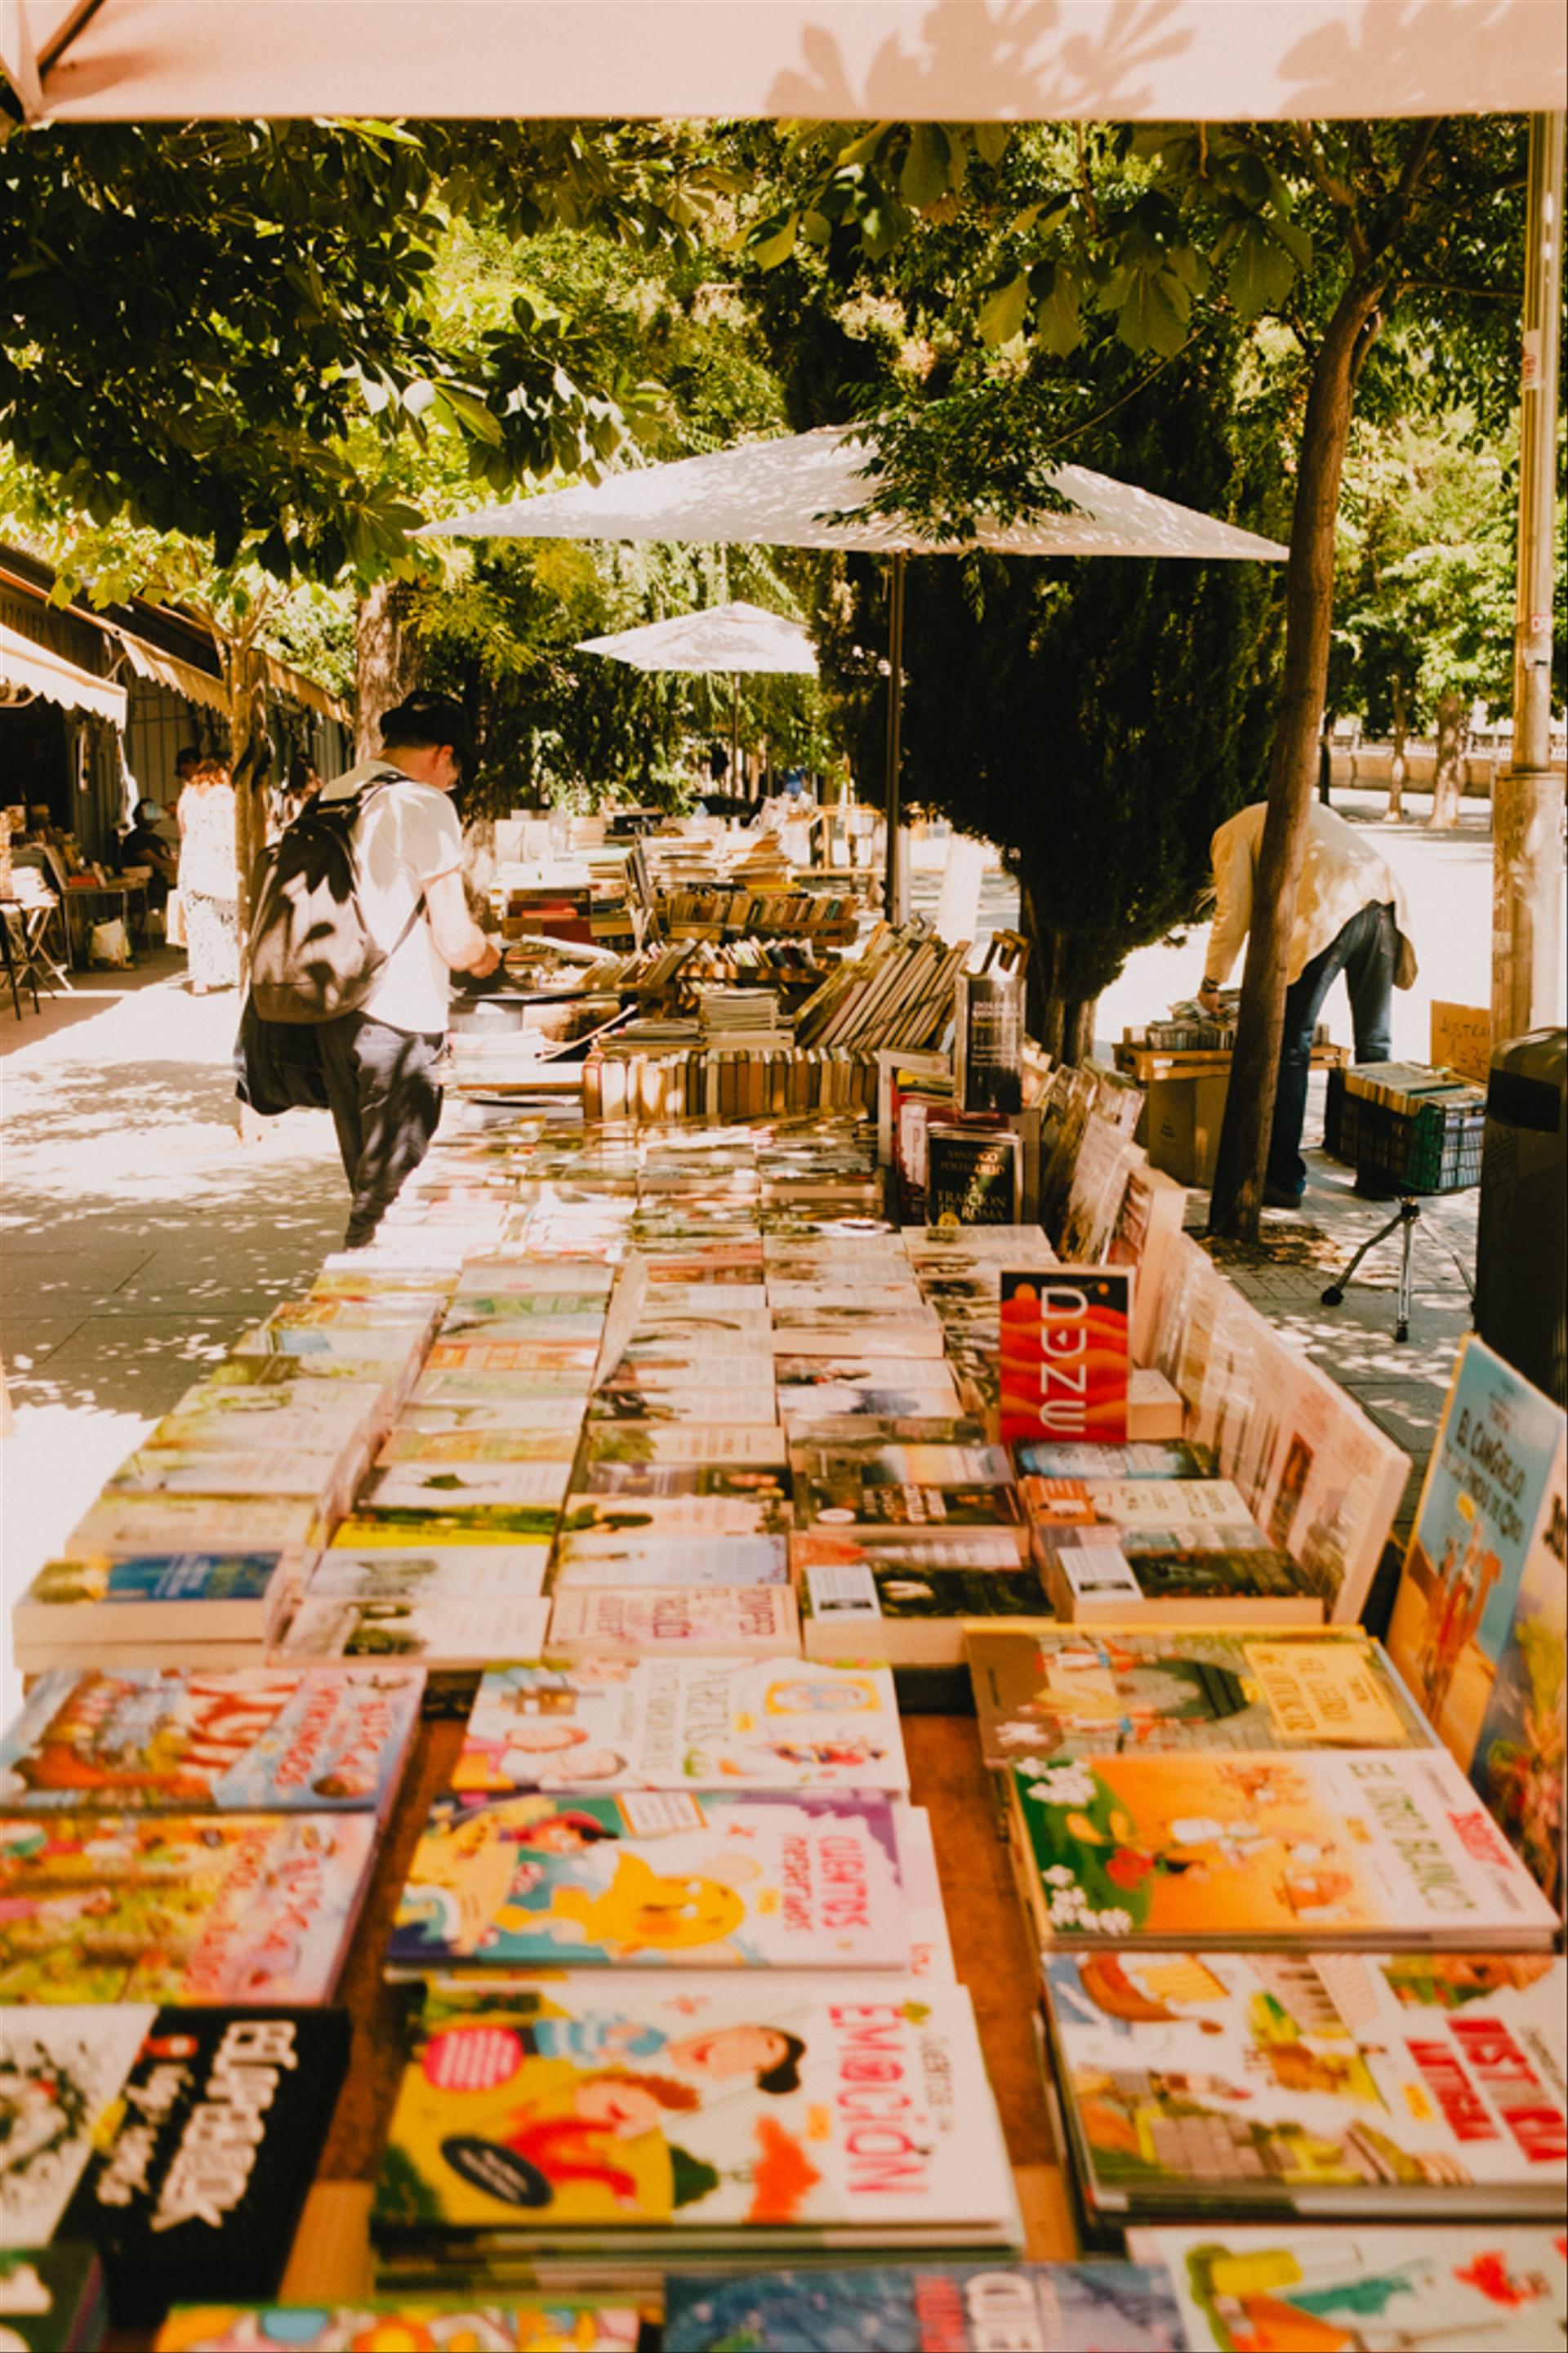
[(1435, 1148)]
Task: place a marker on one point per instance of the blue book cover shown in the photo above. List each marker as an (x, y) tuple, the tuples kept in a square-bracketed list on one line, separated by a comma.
[(1109, 2307)]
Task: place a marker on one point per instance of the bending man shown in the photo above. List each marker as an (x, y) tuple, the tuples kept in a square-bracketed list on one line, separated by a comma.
[(1350, 917)]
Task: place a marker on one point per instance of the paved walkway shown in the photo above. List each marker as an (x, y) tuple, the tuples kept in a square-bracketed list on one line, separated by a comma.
[(139, 1234)]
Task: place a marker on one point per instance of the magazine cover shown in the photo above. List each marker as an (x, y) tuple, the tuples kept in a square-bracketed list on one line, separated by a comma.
[(1457, 2290), (1481, 1618), (557, 2323), (655, 1879), (1065, 1353), (271, 1739), (1359, 1844), (178, 1907), (1414, 2084), (682, 1724), (933, 2309), (1065, 1692), (179, 2143), (780, 2108)]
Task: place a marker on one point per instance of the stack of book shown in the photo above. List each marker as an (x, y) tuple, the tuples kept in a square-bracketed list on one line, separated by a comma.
[(897, 991)]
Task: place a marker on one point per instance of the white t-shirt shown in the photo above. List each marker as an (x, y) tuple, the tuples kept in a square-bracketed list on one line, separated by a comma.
[(407, 835)]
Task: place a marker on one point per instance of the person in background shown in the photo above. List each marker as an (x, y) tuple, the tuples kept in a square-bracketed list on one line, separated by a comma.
[(379, 1063), (144, 845), (209, 877), (1351, 917), (300, 785), (190, 756)]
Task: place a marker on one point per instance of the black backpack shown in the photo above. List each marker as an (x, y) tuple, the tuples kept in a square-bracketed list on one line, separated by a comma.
[(311, 953)]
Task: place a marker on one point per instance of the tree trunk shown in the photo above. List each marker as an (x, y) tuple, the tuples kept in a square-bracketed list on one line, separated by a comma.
[(1058, 1015), (249, 757), (1397, 765), (388, 659), (1449, 774), (1237, 1196)]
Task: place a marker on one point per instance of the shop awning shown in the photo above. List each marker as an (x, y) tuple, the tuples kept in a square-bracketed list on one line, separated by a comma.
[(32, 668), (180, 678), (835, 60)]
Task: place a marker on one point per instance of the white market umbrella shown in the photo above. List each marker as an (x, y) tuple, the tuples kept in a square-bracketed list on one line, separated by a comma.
[(734, 638), (801, 490), (825, 60)]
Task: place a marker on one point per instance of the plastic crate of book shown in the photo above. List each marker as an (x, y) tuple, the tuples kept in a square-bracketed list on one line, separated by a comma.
[(1434, 1148)]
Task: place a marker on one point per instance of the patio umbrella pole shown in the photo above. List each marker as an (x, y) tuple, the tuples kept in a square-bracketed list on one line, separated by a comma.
[(892, 891), (736, 731)]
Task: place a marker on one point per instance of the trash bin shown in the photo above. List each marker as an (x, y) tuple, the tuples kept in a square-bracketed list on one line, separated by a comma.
[(1522, 1242)]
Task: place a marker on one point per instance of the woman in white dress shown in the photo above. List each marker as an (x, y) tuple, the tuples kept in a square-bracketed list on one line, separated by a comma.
[(209, 877)]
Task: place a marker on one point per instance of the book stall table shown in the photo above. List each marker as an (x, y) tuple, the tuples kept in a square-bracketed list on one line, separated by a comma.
[(602, 1870), (1186, 1092)]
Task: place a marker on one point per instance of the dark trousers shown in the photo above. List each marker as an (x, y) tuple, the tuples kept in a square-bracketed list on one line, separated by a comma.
[(385, 1105), (1366, 951)]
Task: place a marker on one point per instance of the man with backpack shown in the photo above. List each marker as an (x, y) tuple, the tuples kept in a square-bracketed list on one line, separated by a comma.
[(360, 917)]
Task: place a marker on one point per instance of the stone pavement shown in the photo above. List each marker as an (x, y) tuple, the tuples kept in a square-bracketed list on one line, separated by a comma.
[(139, 1234)]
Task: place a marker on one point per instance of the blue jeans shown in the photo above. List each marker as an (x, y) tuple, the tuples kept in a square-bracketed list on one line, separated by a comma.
[(1365, 952), (385, 1105)]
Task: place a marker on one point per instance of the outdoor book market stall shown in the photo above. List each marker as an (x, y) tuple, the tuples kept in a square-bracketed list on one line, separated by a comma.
[(675, 1739)]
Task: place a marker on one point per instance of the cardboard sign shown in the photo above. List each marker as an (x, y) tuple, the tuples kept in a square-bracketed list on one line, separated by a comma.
[(1462, 1039)]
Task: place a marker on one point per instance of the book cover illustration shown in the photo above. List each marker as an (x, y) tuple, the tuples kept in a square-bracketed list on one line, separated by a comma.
[(763, 1483), (52, 2299), (777, 2107), (748, 1514), (653, 1561), (556, 2323), (266, 1740), (1213, 1850), (178, 2142), (1455, 2289), (178, 1907), (532, 1490), (934, 2308), (1065, 1353), (203, 1585), (1481, 1622), (467, 1631), (1067, 1692), (657, 1879), (1343, 2083), (682, 1724), (843, 1500), (633, 1445), (694, 1622), (1174, 1458), (459, 1572)]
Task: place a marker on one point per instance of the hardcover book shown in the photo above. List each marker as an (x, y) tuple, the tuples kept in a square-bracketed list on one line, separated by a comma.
[(683, 1723), (270, 1740), (1448, 2290), (725, 2111), (1481, 1622), (1045, 1692), (238, 1908), (654, 1879), (929, 2308), (1382, 2086), (177, 2142), (1369, 1845), (605, 1622)]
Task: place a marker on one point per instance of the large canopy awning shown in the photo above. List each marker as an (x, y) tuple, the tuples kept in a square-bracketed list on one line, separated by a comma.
[(29, 668), (722, 638), (835, 60), (788, 494)]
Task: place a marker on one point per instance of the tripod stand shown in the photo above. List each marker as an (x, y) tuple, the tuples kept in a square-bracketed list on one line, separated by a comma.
[(1405, 1219)]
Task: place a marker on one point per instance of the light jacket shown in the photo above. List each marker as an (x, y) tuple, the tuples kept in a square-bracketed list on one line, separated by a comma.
[(1340, 874)]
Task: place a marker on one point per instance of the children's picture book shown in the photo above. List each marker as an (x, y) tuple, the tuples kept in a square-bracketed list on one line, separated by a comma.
[(659, 1879), (179, 2143), (1480, 1621), (467, 1631), (269, 1740), (1065, 1353), (1361, 1845), (929, 2308), (635, 1559), (1059, 1692), (53, 2299), (1383, 2087), (675, 1622), (179, 1907), (762, 2112), (449, 1573), (1456, 2289), (683, 1723), (556, 2323)]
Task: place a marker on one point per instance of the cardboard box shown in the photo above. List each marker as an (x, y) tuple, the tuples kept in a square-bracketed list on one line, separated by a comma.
[(1181, 1124)]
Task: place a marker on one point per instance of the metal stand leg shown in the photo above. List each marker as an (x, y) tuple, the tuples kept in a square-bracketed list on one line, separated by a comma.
[(1404, 1219)]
